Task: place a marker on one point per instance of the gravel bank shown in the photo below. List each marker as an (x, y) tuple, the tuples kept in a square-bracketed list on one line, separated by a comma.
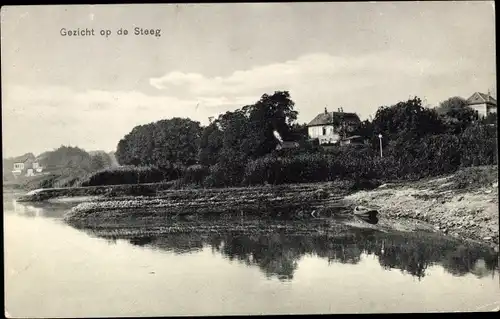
[(290, 202), (465, 213)]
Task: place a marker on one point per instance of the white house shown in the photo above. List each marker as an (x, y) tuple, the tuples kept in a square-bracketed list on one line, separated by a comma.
[(18, 168), (327, 127), (484, 104), (37, 168), (27, 166)]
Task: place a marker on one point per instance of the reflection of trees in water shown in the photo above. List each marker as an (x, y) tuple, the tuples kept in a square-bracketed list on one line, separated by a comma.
[(463, 260), (111, 241), (277, 254), (481, 268), (34, 209), (180, 243), (413, 260)]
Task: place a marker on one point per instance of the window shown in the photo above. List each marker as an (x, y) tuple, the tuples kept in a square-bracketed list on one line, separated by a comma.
[(324, 130)]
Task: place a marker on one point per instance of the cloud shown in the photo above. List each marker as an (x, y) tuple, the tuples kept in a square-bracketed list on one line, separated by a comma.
[(358, 83), (319, 68), (176, 78), (39, 118)]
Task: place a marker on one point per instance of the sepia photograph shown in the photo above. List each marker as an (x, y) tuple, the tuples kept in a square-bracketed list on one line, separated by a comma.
[(224, 159)]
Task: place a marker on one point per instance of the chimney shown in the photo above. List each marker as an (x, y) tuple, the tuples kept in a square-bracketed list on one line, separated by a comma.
[(326, 111)]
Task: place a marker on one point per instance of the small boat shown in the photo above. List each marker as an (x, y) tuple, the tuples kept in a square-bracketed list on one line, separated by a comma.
[(366, 212)]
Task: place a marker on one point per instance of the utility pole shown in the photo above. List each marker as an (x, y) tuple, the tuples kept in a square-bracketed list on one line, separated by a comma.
[(380, 139)]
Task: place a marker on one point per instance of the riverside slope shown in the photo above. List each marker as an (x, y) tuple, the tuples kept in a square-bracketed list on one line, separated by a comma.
[(469, 212), (436, 204)]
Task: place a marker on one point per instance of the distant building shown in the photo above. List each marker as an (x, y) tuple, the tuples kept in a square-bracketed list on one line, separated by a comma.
[(26, 166), (284, 144), (287, 145), (352, 140), (328, 127), (484, 104)]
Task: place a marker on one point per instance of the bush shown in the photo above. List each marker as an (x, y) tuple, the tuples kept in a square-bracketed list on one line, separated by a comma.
[(195, 174), (352, 163), (125, 175), (294, 169), (430, 156), (478, 146), (220, 176), (475, 177)]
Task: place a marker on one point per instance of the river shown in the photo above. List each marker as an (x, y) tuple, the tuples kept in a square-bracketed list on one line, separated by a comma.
[(53, 270)]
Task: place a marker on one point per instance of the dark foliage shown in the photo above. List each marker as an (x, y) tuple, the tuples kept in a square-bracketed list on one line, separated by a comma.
[(248, 132), (239, 147), (195, 174), (125, 175), (162, 143)]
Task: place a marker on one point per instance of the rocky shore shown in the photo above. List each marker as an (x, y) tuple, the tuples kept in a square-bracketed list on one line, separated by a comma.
[(289, 202), (465, 212)]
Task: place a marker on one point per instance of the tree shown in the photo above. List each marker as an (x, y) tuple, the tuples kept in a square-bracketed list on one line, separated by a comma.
[(490, 119), (479, 145), (66, 158), (210, 144), (99, 161), (299, 132), (456, 115), (162, 143), (271, 112), (408, 120), (450, 105), (365, 129), (248, 132)]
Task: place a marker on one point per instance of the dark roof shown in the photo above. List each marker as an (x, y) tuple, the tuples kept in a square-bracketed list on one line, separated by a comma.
[(333, 117), (287, 144), (24, 158), (480, 98), (353, 137)]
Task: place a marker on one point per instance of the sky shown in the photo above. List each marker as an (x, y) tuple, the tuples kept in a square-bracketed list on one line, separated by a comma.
[(90, 91)]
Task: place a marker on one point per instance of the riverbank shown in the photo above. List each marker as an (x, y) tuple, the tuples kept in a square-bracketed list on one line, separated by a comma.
[(456, 205), (109, 191), (463, 205), (166, 189), (298, 201)]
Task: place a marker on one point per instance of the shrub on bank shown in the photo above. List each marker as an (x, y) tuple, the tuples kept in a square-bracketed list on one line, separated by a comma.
[(124, 175), (293, 169), (225, 174), (195, 174), (476, 177), (50, 181), (478, 146)]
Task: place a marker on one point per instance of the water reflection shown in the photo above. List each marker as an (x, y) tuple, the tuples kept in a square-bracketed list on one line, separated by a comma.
[(277, 254), (36, 209)]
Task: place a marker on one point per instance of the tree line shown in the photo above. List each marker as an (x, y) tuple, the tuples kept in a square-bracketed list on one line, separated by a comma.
[(62, 167), (239, 147)]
